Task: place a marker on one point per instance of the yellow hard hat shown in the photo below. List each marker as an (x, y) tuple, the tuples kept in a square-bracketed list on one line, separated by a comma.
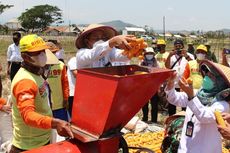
[(202, 47), (161, 42), (32, 43)]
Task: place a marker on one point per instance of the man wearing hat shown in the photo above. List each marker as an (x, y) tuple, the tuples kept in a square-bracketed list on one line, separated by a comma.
[(192, 68), (199, 133), (98, 46), (31, 112), (177, 60)]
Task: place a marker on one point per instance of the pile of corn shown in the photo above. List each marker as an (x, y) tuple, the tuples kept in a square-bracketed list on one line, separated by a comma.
[(150, 140)]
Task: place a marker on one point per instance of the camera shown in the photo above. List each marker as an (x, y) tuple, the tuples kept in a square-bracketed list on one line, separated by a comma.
[(226, 51), (178, 51)]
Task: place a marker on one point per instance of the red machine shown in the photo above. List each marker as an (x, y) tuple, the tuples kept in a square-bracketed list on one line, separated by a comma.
[(105, 100)]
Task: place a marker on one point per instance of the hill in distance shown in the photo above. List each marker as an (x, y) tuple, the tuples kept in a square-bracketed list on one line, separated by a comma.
[(120, 25)]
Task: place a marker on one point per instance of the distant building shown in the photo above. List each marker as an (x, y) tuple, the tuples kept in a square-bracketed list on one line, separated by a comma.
[(133, 30), (13, 24), (62, 30)]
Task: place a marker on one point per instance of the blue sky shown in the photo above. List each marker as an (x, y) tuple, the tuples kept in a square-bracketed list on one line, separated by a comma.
[(180, 14)]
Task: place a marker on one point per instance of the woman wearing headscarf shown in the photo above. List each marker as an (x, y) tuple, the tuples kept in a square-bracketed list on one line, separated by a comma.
[(200, 133)]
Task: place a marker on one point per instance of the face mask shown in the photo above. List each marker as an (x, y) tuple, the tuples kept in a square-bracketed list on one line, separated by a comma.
[(200, 56), (149, 57), (98, 42), (208, 84), (39, 60)]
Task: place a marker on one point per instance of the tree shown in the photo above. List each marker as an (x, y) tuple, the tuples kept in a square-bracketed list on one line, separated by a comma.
[(40, 17), (4, 7)]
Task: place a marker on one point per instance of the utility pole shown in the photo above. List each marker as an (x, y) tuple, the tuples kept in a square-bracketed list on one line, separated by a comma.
[(164, 26)]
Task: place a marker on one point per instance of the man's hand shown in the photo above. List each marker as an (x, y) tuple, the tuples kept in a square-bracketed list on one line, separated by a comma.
[(7, 109), (184, 53), (224, 131), (63, 128), (121, 41)]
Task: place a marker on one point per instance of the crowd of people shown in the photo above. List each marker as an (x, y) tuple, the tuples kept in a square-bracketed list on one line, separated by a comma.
[(42, 86)]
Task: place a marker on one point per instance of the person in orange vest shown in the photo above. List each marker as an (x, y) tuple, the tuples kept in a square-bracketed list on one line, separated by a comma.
[(58, 81), (31, 112), (192, 68)]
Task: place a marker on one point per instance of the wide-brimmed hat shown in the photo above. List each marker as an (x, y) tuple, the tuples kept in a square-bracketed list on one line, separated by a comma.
[(222, 70), (149, 50), (173, 117), (52, 46), (34, 43), (109, 32)]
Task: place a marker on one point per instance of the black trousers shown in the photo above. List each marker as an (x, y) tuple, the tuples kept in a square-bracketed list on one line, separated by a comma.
[(15, 66), (154, 109), (70, 100)]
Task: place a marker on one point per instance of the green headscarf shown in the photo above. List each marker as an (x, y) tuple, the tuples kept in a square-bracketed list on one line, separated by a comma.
[(208, 97)]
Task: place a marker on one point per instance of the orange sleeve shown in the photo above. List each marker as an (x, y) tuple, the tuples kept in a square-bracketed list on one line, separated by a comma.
[(186, 73), (65, 84), (25, 92), (2, 102)]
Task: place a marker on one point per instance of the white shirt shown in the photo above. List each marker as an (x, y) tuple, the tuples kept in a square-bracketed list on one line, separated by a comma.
[(206, 138), (180, 66), (100, 55), (72, 65), (13, 53)]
